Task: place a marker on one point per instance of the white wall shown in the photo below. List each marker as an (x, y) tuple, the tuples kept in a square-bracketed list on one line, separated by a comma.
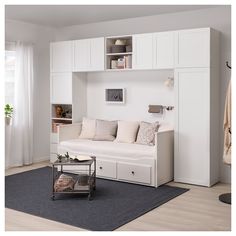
[(40, 37), (141, 89), (218, 18)]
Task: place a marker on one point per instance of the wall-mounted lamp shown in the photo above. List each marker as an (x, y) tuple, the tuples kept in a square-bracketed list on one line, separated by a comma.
[(159, 108), (169, 82)]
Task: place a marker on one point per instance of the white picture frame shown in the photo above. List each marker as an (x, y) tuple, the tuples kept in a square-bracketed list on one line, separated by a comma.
[(115, 95)]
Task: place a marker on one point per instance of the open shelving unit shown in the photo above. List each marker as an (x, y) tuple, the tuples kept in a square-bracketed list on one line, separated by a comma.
[(119, 57), (64, 118)]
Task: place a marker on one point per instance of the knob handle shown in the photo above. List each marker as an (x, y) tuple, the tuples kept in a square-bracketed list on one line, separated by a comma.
[(100, 167), (132, 172)]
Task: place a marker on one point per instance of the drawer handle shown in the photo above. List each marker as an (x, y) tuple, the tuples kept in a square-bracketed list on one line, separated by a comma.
[(100, 167), (132, 172)]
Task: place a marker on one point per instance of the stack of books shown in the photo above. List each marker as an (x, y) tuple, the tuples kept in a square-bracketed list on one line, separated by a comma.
[(122, 63)]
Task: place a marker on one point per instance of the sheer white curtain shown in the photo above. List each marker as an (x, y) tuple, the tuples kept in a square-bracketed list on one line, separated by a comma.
[(21, 152)]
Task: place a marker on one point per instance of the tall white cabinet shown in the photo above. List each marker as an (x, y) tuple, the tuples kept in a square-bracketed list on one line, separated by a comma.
[(196, 158)]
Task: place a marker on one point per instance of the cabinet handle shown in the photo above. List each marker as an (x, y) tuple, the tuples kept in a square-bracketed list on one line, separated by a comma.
[(132, 172), (100, 167)]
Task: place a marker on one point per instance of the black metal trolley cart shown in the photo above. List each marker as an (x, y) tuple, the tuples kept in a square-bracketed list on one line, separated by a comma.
[(81, 170)]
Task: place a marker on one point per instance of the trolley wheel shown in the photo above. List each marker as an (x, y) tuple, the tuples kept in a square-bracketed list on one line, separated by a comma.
[(53, 198)]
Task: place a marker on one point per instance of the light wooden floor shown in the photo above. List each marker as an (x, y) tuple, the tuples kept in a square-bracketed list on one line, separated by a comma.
[(197, 209)]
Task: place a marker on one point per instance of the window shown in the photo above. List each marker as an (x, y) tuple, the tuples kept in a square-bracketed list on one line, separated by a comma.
[(10, 59)]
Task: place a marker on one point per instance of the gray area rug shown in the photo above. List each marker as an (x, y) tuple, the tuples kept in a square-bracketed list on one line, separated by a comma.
[(114, 203)]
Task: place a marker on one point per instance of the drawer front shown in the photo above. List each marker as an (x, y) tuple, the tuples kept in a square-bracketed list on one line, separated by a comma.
[(54, 138), (53, 148), (106, 168), (136, 173)]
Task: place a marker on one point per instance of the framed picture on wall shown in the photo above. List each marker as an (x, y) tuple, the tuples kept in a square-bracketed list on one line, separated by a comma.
[(115, 95)]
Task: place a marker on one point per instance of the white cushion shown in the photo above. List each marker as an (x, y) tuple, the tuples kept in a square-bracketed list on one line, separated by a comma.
[(146, 133), (127, 131), (105, 130), (88, 128), (106, 149)]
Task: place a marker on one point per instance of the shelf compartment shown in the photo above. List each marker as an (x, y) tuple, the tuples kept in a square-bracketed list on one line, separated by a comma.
[(62, 111), (57, 123), (119, 61), (121, 58)]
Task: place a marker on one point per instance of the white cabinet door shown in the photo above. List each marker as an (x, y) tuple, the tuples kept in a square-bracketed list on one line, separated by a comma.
[(192, 151), (142, 51), (61, 56), (163, 44), (192, 48), (97, 54), (61, 88), (81, 55)]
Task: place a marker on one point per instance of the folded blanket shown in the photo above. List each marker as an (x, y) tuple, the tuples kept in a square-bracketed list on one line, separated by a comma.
[(64, 183)]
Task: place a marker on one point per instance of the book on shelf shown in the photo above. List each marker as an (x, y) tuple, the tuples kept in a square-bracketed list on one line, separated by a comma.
[(128, 61), (124, 62)]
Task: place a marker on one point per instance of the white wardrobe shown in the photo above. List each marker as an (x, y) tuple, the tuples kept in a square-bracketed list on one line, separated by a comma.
[(196, 158), (193, 54)]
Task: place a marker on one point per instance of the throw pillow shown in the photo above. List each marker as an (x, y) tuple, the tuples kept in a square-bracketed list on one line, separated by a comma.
[(88, 128), (127, 131), (146, 133), (105, 130)]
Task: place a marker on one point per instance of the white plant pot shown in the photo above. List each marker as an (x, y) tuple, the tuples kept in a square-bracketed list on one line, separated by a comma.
[(8, 120)]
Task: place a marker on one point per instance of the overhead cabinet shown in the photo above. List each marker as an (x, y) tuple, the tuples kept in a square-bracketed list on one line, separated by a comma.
[(88, 55), (61, 56), (192, 48), (142, 51), (153, 51), (163, 50)]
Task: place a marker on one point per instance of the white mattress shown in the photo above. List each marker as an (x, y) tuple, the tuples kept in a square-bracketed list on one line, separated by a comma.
[(106, 148)]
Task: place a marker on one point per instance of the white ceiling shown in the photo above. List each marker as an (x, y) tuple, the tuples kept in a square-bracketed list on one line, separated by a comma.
[(66, 15)]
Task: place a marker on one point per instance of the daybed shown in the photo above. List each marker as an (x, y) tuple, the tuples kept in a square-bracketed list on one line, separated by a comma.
[(129, 162)]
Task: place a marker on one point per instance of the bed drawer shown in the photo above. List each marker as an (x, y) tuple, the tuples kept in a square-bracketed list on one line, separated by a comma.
[(106, 169), (135, 173)]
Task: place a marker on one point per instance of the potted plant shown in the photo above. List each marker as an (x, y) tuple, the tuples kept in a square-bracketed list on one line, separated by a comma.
[(8, 113)]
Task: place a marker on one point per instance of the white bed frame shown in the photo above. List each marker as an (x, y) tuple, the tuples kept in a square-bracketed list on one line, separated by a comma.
[(145, 171)]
